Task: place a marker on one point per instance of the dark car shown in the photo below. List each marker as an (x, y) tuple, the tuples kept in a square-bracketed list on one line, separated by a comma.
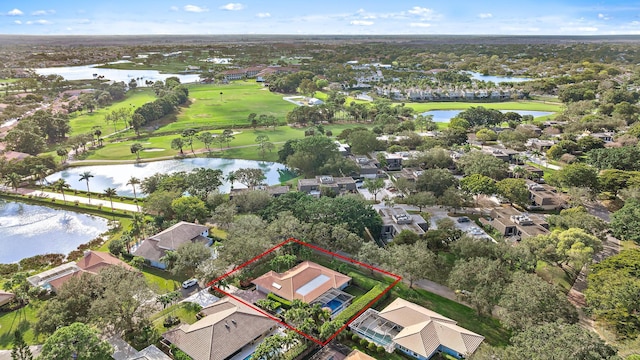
[(463, 219)]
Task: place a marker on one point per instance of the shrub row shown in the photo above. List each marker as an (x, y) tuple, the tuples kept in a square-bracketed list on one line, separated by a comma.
[(362, 281), (359, 304), (286, 304)]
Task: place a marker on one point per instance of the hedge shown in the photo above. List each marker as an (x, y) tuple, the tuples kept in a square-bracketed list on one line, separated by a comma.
[(286, 304), (362, 281), (359, 304)]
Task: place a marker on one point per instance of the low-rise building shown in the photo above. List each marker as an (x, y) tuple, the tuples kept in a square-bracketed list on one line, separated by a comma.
[(396, 219), (339, 185), (416, 331), (5, 297), (539, 145), (516, 225), (92, 262), (507, 155), (275, 191), (411, 174), (229, 330), (155, 247), (368, 167), (545, 197)]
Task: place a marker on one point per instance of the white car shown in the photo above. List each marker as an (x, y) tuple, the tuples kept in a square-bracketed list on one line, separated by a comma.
[(189, 283)]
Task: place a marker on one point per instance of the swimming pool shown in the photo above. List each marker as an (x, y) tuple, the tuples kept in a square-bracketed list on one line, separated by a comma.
[(334, 305)]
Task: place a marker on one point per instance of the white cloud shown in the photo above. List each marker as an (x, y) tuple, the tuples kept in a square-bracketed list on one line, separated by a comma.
[(263, 15), (39, 22), (18, 22), (418, 24), (195, 9), (485, 15), (43, 12), (15, 12), (603, 17), (361, 23), (174, 8), (232, 7), (423, 12)]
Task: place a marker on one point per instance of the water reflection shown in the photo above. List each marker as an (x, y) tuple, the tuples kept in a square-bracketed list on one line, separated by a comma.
[(27, 230)]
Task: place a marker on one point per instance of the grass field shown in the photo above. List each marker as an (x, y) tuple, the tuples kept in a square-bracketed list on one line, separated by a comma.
[(245, 137), (239, 99), (83, 122), (23, 319)]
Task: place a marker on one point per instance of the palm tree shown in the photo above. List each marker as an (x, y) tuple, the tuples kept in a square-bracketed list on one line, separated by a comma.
[(13, 180), (86, 176), (133, 181), (110, 192), (40, 172), (60, 185), (231, 177)]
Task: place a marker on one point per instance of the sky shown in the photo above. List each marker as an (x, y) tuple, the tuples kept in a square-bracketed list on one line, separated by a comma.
[(350, 17)]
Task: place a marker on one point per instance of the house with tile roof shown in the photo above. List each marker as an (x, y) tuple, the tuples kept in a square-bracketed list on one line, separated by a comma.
[(416, 331), (92, 262), (310, 283), (5, 297), (155, 247), (229, 330)]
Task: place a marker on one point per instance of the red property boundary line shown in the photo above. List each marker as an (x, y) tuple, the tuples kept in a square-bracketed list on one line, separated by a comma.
[(347, 259)]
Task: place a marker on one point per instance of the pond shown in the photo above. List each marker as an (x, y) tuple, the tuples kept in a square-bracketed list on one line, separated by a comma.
[(117, 176), (496, 79), (446, 115), (86, 72), (29, 230)]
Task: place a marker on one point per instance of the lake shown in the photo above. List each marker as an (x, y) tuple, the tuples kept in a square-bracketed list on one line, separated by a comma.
[(446, 115), (85, 72), (117, 176), (496, 79), (28, 230)]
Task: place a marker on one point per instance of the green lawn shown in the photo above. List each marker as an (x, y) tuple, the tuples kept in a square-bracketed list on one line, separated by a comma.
[(23, 320), (161, 281), (178, 310), (507, 105), (83, 122), (209, 109), (245, 137)]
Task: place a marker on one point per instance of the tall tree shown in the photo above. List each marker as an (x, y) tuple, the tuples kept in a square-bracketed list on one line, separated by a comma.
[(76, 341), (188, 136), (136, 148), (86, 176), (20, 350), (133, 181), (207, 139), (374, 186), (514, 190), (264, 145), (250, 177), (61, 185), (625, 223), (480, 281), (13, 180), (110, 192), (529, 301), (178, 144)]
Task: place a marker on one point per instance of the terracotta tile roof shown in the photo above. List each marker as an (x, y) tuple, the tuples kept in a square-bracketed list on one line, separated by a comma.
[(425, 330), (94, 261), (358, 355), (292, 282), (228, 326)]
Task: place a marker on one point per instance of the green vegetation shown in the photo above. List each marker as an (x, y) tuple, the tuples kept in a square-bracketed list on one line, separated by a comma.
[(508, 105), (211, 110), (359, 304), (162, 281), (84, 122), (23, 320)]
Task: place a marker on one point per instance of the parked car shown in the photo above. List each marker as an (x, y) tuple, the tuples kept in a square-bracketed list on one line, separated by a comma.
[(189, 283), (463, 219)]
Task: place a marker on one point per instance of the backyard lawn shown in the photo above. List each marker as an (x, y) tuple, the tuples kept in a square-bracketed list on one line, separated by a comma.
[(23, 319), (160, 281)]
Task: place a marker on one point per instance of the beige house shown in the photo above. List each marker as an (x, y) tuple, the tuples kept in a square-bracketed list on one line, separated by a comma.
[(228, 331), (416, 331), (155, 247), (306, 281), (516, 225), (5, 297)]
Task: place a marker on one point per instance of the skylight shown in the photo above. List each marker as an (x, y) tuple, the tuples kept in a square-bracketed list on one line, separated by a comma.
[(312, 285)]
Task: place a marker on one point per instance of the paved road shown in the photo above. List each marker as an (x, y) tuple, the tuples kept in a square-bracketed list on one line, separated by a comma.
[(83, 200)]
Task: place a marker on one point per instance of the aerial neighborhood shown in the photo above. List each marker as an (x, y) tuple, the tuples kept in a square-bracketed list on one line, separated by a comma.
[(274, 197)]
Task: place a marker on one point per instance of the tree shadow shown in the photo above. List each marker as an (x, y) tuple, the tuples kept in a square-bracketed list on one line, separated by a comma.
[(17, 323)]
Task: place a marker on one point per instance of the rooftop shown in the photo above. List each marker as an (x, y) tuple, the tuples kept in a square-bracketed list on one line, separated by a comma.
[(306, 281)]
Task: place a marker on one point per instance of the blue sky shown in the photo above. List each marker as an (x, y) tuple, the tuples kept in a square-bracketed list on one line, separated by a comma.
[(121, 17)]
